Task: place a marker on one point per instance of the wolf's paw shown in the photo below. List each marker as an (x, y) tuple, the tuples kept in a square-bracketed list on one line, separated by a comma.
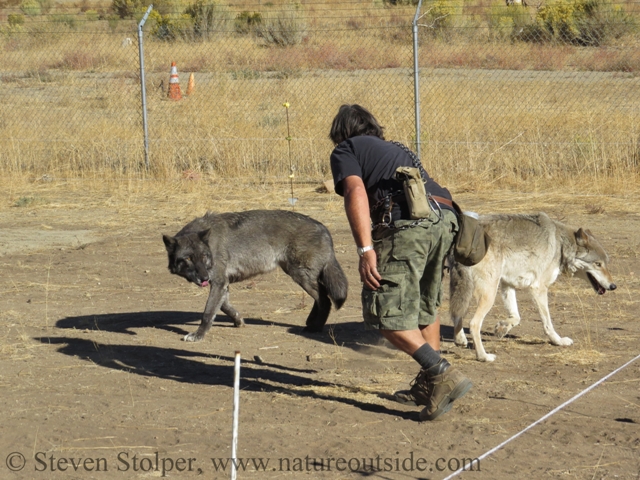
[(239, 323), (502, 328), (488, 357), (192, 337), (565, 342), (461, 340)]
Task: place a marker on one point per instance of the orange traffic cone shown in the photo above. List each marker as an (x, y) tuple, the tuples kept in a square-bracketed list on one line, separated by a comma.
[(191, 85), (174, 84)]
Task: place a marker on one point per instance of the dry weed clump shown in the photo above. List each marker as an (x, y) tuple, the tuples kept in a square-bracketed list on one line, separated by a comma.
[(584, 357), (594, 209), (79, 60), (613, 60)]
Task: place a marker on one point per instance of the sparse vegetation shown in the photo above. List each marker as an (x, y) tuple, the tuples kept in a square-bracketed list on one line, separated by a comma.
[(125, 8), (15, 19), (442, 16), (246, 22), (30, 8), (30, 201), (171, 27), (517, 124), (283, 28), (199, 21), (580, 22), (208, 18)]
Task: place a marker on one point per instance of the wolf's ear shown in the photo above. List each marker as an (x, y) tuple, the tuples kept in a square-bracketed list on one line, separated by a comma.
[(582, 237), (204, 235), (169, 242)]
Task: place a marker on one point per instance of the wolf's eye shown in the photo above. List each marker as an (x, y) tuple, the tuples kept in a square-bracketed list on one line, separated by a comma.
[(598, 264)]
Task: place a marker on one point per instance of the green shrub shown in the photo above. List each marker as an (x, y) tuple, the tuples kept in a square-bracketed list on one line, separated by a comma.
[(112, 21), (67, 20), (506, 21), (401, 2), (441, 18), (91, 15), (283, 28), (200, 20), (171, 27), (164, 7), (15, 19), (581, 22), (246, 22), (30, 201), (30, 8), (125, 8), (207, 18)]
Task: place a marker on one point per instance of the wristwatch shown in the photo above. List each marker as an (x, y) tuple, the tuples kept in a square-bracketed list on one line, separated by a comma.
[(362, 250)]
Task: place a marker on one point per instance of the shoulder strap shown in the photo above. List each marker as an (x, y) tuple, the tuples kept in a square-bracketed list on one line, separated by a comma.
[(414, 159)]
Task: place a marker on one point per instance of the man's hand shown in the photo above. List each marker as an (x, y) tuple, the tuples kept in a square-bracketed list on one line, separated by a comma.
[(368, 269)]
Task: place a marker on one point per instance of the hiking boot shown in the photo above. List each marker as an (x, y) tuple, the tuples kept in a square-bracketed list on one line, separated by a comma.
[(405, 397), (417, 394), (445, 385), (436, 388)]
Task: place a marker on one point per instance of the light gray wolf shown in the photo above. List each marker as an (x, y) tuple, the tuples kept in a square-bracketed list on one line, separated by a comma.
[(526, 252), (216, 250)]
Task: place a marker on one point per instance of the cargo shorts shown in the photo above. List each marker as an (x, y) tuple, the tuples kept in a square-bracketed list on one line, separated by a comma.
[(411, 263)]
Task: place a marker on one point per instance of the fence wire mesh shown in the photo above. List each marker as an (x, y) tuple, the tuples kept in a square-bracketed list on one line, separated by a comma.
[(504, 91), (528, 91)]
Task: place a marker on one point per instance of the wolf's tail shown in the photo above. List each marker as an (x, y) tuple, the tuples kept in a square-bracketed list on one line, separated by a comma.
[(460, 290), (335, 281)]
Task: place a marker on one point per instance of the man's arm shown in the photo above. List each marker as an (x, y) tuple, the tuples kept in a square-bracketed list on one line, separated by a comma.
[(356, 205)]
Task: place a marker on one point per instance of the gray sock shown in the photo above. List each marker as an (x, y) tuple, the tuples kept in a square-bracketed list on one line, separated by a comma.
[(426, 356)]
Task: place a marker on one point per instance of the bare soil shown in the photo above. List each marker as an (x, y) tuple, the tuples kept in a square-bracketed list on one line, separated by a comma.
[(97, 383)]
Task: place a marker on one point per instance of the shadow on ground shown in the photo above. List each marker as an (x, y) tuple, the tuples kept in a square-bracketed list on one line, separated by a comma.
[(351, 335), (200, 368)]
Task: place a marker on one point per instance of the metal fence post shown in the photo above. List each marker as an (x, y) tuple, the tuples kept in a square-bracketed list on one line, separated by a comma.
[(144, 88), (416, 80)]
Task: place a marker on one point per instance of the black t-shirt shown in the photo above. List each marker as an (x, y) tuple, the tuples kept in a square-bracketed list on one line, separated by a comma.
[(375, 161)]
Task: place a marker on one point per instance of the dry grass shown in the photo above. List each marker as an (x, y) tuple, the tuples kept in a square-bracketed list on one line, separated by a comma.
[(581, 356), (494, 114), (221, 143)]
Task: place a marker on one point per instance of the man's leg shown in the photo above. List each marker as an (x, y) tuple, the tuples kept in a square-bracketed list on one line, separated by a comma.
[(406, 340), (438, 384), (412, 343), (431, 334)]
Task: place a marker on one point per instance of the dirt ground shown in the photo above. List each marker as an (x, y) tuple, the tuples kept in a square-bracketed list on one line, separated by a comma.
[(97, 383)]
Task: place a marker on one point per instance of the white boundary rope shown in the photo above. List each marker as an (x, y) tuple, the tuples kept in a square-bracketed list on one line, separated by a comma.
[(555, 410), (236, 411)]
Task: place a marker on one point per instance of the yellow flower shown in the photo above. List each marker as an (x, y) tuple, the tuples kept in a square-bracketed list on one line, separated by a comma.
[(285, 104)]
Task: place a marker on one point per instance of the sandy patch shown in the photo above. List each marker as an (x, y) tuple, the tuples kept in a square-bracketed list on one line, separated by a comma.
[(23, 240)]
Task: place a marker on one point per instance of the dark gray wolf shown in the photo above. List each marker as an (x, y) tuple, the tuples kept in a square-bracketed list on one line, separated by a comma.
[(219, 249), (526, 252)]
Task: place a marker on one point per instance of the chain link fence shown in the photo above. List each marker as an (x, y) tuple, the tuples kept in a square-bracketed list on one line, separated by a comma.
[(505, 92), (527, 92)]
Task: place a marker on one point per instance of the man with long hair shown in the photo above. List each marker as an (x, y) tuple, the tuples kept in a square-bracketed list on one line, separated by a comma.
[(401, 259)]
